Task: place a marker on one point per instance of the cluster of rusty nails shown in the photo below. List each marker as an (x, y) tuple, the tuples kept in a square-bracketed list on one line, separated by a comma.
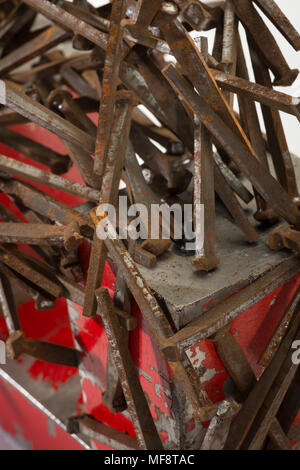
[(127, 54)]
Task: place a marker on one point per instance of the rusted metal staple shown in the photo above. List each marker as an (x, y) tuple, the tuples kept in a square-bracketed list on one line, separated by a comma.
[(90, 427)]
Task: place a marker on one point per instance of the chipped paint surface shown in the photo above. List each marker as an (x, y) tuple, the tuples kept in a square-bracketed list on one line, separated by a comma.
[(153, 371), (67, 326), (29, 425)]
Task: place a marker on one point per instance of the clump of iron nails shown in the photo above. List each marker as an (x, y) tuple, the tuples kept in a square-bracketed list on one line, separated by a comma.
[(127, 54)]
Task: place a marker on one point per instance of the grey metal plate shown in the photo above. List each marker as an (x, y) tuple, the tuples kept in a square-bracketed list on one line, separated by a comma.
[(189, 293)]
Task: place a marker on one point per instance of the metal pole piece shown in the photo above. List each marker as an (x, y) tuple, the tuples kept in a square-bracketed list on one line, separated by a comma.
[(46, 205), (264, 213), (218, 429), (278, 437), (8, 305), (109, 192), (65, 19), (43, 300), (16, 262), (23, 170), (178, 178), (257, 92), (239, 369), (273, 12), (276, 137), (233, 206), (143, 194), (47, 39), (235, 362), (194, 65), (63, 101), (264, 418), (31, 234), (234, 181), (17, 344), (113, 397), (230, 31), (199, 15), (138, 25), (284, 237), (90, 427), (261, 35), (57, 163), (184, 374), (175, 115), (263, 182), (14, 98), (204, 201), (109, 85), (144, 426), (246, 417)]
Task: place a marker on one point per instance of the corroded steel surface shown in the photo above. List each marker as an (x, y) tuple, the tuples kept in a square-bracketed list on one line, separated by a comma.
[(139, 345)]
